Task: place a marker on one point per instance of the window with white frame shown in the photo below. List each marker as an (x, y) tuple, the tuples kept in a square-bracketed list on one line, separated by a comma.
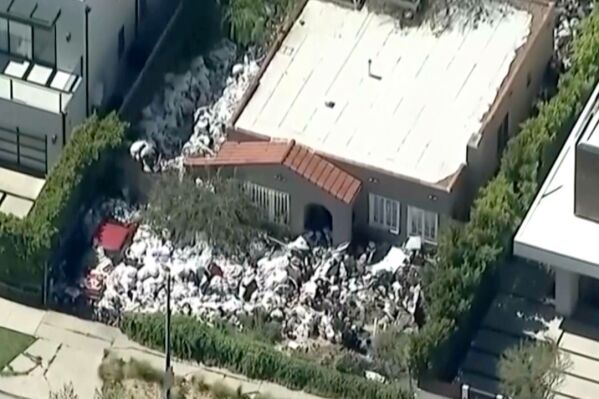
[(384, 213), (273, 203), (423, 223)]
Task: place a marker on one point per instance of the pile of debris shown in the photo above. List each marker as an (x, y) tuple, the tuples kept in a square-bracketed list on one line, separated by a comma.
[(313, 291), (569, 15), (189, 116)]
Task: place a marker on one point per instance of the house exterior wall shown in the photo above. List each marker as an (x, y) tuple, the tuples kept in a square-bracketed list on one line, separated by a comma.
[(70, 36), (75, 113), (301, 194), (105, 21), (586, 178), (566, 291), (515, 99), (407, 192)]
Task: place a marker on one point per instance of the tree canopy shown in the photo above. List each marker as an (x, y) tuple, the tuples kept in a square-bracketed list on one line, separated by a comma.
[(217, 208), (532, 370)]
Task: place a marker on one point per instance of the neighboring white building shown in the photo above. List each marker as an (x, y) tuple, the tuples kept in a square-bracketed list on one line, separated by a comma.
[(59, 59), (561, 228)]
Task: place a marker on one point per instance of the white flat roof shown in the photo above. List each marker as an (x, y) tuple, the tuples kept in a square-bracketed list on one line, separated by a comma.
[(417, 119), (551, 233)]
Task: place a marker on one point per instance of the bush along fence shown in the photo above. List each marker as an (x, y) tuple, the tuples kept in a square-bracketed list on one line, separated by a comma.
[(26, 244), (468, 254), (193, 340)]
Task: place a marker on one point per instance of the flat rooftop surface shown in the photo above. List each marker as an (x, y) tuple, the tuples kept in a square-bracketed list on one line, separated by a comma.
[(416, 110), (551, 233)]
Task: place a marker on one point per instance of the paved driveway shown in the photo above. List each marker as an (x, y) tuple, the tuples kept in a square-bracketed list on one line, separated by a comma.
[(523, 311)]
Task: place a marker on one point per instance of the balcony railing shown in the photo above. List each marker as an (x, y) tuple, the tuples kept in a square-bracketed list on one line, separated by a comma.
[(26, 152), (51, 98)]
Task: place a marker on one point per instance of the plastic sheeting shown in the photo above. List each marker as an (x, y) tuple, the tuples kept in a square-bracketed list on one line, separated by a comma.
[(189, 115)]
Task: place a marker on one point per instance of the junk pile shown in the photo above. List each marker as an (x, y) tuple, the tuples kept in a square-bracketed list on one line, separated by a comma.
[(189, 116), (569, 15), (314, 291)]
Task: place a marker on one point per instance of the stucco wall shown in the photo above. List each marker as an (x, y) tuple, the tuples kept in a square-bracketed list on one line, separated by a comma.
[(105, 21), (75, 112), (515, 98), (301, 194), (586, 188), (406, 191), (70, 36)]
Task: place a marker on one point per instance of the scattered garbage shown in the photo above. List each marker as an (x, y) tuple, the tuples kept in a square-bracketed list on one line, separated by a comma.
[(567, 24), (316, 292), (188, 117)]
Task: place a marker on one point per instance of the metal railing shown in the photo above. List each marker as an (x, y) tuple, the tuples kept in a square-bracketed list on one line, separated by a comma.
[(24, 151)]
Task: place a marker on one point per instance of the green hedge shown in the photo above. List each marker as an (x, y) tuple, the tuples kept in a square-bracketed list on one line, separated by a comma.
[(194, 340), (469, 252), (26, 244)]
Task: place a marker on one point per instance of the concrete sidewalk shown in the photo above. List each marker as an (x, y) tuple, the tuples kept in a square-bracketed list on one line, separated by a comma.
[(71, 350)]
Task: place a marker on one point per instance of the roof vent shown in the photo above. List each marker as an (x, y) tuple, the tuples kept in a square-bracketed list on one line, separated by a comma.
[(370, 74)]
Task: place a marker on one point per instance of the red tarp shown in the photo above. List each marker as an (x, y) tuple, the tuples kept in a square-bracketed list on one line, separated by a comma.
[(113, 236)]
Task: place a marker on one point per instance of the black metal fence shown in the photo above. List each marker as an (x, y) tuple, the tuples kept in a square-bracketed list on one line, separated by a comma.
[(24, 151)]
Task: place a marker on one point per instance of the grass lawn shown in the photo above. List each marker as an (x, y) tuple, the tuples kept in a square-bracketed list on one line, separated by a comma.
[(12, 344)]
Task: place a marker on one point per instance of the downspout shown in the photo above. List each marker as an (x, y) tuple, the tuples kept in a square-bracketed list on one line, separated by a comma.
[(87, 11), (64, 128)]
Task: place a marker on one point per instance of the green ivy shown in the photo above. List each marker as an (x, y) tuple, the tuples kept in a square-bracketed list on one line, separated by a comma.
[(26, 244), (466, 254), (193, 340)]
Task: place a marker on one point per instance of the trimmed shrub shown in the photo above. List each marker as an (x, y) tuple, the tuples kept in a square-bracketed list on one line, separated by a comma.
[(26, 244), (193, 340), (467, 253)]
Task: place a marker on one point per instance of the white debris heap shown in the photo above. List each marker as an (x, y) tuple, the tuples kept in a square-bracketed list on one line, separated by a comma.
[(188, 117), (314, 292), (567, 26)]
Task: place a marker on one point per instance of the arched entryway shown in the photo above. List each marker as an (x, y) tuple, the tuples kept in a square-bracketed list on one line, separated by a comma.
[(317, 218)]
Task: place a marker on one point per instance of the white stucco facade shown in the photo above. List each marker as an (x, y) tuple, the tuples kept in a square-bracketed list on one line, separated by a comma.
[(551, 233)]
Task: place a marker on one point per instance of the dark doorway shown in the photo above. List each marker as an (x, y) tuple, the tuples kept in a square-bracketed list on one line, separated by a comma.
[(503, 135), (317, 218)]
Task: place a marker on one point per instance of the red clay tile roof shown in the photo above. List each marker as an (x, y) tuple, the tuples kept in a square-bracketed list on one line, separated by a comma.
[(322, 173), (247, 152), (312, 167)]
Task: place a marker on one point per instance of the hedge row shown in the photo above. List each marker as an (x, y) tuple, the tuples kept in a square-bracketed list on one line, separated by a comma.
[(468, 253), (193, 340), (26, 244)]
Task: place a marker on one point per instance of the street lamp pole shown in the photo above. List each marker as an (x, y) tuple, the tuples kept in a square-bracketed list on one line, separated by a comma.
[(167, 340)]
